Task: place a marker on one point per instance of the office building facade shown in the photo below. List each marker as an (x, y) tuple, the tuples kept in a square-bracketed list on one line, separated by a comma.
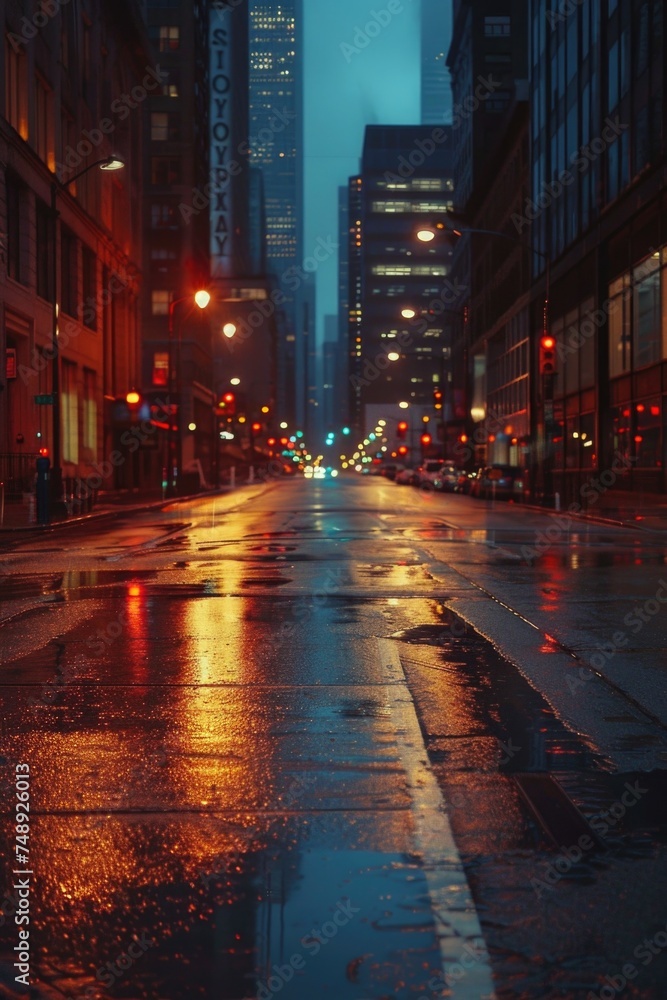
[(399, 308), (275, 144), (72, 237), (597, 208)]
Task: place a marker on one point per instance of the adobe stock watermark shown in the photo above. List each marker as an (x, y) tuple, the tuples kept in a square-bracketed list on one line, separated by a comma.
[(31, 26), (364, 34), (112, 971), (69, 330), (581, 159), (312, 943), (646, 952), (601, 823), (216, 190), (635, 620), (590, 491), (75, 156), (454, 972), (408, 164), (292, 278), (565, 9)]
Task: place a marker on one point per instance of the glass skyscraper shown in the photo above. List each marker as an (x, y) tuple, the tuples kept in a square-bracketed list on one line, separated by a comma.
[(276, 147)]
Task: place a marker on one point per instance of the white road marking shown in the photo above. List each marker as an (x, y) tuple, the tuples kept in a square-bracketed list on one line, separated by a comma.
[(466, 969)]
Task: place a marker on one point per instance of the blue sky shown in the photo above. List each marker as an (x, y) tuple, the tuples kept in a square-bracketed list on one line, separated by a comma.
[(344, 92)]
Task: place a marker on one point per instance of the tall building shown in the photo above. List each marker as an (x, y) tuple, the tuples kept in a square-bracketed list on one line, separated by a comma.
[(405, 182), (71, 249), (488, 60), (597, 209), (176, 219), (436, 33), (276, 146)]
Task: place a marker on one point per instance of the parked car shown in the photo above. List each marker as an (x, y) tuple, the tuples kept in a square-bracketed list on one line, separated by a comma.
[(391, 471), (475, 482), (446, 479), (465, 481), (499, 482), (428, 472), (407, 477)]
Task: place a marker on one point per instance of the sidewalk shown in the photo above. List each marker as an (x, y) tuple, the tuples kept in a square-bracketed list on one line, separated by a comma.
[(640, 510), (17, 515)]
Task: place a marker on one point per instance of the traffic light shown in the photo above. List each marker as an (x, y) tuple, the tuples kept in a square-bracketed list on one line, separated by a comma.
[(426, 440), (402, 450), (548, 355), (401, 430), (228, 404), (437, 399), (257, 428)]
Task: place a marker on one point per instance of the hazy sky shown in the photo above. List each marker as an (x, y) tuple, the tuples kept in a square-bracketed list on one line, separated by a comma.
[(344, 92)]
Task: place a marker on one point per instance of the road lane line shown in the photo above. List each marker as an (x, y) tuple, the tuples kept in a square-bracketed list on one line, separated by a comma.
[(457, 924)]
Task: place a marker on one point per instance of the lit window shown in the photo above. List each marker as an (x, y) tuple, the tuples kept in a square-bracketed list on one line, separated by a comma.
[(168, 38), (159, 126), (89, 415), (16, 89), (69, 411), (160, 368), (160, 300), (497, 26)]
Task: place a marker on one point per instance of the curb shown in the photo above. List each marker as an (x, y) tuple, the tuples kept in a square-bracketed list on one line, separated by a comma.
[(115, 512), (595, 518)]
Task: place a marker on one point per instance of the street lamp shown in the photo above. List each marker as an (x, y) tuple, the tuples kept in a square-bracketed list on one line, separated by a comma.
[(426, 235), (201, 299), (109, 163)]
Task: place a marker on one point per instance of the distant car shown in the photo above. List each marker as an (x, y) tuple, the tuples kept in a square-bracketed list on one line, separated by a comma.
[(465, 481), (499, 482), (476, 482), (428, 472), (446, 479), (391, 471), (407, 477)]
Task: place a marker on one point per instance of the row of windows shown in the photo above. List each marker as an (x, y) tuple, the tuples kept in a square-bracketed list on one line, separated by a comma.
[(398, 207), (77, 261), (78, 415), (638, 316)]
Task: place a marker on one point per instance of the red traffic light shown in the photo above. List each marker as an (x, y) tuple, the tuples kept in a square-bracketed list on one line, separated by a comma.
[(426, 439), (547, 355), (402, 450), (271, 442), (256, 428), (228, 403), (402, 429)]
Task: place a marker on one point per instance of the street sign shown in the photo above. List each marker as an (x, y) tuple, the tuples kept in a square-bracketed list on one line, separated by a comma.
[(45, 399)]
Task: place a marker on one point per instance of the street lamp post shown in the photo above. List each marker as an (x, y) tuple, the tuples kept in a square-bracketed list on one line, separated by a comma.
[(174, 447), (426, 235), (107, 163)]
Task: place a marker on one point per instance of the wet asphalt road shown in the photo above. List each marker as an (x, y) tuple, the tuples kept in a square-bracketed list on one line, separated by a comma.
[(338, 739)]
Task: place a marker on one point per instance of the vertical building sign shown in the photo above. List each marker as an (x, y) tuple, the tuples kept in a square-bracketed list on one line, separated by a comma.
[(223, 165)]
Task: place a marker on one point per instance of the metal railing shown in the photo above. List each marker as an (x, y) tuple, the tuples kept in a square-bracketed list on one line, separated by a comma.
[(17, 472)]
